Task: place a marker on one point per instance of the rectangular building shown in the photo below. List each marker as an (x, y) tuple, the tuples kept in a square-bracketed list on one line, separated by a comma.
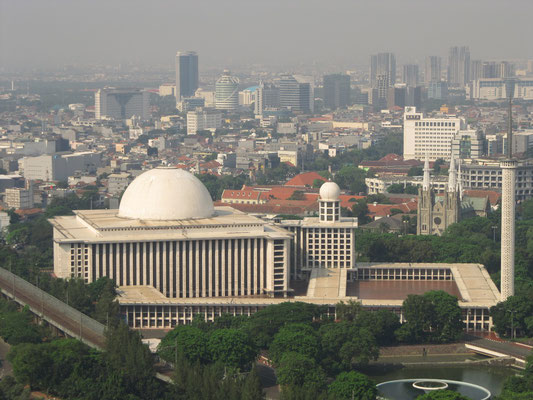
[(121, 104), (203, 120), (429, 136)]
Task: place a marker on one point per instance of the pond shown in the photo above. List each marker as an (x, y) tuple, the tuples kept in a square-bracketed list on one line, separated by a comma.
[(491, 378)]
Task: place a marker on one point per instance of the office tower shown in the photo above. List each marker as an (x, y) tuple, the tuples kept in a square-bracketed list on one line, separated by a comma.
[(508, 207), (380, 92), (469, 144), (336, 91), (433, 69), (186, 74), (203, 120), (293, 95), (414, 96), (383, 64), (266, 96), (504, 69), (438, 90), (121, 103), (430, 137), (396, 96), (459, 66), (476, 70), (410, 75), (227, 92)]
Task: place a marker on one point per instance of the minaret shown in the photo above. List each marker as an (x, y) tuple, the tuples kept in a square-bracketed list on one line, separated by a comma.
[(508, 167)]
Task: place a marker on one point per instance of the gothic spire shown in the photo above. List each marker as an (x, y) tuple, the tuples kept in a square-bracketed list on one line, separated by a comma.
[(425, 182), (452, 176)]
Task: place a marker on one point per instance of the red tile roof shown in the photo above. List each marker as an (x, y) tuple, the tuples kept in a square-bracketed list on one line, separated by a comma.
[(305, 179), (494, 197)]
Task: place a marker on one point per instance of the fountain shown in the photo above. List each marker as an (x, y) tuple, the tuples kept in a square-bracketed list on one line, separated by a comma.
[(410, 389)]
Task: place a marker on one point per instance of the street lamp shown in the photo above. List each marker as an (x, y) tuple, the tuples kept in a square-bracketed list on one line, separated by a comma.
[(494, 227)]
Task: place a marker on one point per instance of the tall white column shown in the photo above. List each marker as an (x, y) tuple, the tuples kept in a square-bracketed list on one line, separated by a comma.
[(508, 228)]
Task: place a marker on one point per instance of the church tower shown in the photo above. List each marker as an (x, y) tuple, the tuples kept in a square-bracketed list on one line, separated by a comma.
[(437, 211)]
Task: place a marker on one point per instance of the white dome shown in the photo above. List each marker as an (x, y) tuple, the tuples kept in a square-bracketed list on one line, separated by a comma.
[(166, 194), (330, 191)]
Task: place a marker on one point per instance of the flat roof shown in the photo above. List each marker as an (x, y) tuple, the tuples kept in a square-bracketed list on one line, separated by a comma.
[(106, 225), (471, 284)]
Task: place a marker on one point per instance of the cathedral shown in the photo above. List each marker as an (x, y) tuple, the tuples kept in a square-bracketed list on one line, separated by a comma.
[(437, 211)]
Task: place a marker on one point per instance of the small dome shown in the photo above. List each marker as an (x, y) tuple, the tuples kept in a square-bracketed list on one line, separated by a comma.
[(330, 191), (166, 194)]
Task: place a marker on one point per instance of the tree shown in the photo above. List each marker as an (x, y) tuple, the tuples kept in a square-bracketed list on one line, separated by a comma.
[(31, 364), (382, 324), (232, 347), (252, 389), (439, 162), (352, 385), (125, 352), (344, 344), (191, 342), (265, 323), (434, 316), (348, 311), (415, 171), (360, 210), (514, 313), (299, 370), (16, 327), (351, 178), (298, 338), (442, 395), (297, 195)]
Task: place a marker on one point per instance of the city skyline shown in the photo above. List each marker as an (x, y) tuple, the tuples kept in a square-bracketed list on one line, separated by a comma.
[(225, 41)]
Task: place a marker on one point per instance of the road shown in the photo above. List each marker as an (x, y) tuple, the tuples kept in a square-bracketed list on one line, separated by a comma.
[(504, 347), (53, 315)]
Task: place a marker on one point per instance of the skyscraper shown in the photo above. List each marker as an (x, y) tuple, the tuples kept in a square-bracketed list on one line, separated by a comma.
[(186, 74), (336, 91), (459, 66), (266, 96), (410, 75), (294, 95), (433, 69), (227, 92), (383, 64)]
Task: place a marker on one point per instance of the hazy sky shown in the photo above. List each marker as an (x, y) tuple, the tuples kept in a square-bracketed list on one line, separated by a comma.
[(47, 33)]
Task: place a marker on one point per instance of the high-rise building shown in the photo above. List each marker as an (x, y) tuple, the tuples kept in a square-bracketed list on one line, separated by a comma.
[(459, 66), (438, 90), (227, 92), (469, 144), (203, 120), (186, 74), (294, 95), (433, 69), (383, 64), (410, 75), (18, 198), (266, 96), (430, 137), (121, 103), (336, 91), (396, 96), (414, 96)]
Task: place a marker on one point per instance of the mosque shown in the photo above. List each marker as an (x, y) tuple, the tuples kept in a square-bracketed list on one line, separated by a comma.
[(174, 255)]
